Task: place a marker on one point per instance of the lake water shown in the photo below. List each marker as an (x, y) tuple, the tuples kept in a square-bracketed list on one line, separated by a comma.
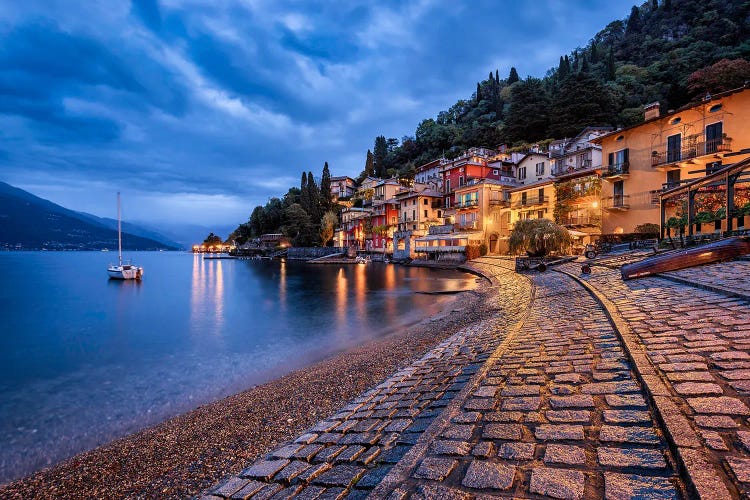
[(84, 360)]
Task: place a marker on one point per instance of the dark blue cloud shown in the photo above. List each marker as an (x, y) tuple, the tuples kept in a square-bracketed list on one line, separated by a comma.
[(230, 101)]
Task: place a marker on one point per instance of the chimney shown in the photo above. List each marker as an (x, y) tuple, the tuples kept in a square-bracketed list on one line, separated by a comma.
[(651, 111)]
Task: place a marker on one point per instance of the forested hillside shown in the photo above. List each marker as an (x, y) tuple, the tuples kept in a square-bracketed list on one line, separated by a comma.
[(655, 54)]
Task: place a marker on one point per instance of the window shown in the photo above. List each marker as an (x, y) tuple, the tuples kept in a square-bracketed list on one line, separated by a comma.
[(414, 201), (541, 195), (460, 180), (495, 171), (618, 159), (674, 147), (440, 214), (413, 215), (714, 108), (447, 184), (713, 137), (522, 173), (540, 168), (540, 214), (425, 201), (620, 137), (393, 220), (673, 179), (675, 121), (523, 198), (619, 197), (425, 214)]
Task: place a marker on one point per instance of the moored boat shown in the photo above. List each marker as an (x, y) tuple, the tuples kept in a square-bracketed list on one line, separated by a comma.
[(122, 271), (726, 249)]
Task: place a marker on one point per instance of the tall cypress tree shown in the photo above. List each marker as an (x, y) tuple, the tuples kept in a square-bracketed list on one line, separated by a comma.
[(304, 197), (369, 164), (314, 197), (326, 197), (497, 78), (513, 76), (634, 21), (562, 69), (479, 92), (611, 64), (380, 156)]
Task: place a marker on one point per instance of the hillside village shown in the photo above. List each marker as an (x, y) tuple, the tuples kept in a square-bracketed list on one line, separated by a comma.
[(603, 182)]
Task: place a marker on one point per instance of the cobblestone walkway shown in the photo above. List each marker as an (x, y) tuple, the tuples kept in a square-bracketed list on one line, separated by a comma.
[(558, 413), (727, 276), (351, 452), (699, 343)]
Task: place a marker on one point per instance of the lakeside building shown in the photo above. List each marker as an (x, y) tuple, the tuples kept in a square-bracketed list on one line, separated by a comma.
[(384, 216), (420, 207), (431, 173), (666, 151), (533, 201), (473, 164), (342, 187), (576, 166), (353, 229)]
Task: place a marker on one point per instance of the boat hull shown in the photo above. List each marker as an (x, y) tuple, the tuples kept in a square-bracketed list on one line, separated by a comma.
[(125, 272), (680, 259)]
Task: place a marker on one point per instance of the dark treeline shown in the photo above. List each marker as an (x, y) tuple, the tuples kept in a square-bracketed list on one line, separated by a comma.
[(306, 214), (655, 54)]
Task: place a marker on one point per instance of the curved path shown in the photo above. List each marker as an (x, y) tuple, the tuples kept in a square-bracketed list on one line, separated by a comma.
[(580, 387)]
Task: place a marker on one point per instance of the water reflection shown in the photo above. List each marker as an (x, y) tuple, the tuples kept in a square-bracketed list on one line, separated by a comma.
[(341, 292), (282, 285), (207, 300)]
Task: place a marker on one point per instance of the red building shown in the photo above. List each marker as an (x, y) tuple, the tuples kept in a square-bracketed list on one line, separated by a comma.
[(474, 164)]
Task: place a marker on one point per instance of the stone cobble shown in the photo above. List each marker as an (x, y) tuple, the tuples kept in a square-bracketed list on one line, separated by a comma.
[(699, 342), (349, 453), (557, 413)]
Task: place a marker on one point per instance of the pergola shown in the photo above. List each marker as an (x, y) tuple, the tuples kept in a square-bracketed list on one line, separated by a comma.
[(724, 179)]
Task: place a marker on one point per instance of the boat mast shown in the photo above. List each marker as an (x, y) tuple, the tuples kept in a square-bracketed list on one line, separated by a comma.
[(119, 230)]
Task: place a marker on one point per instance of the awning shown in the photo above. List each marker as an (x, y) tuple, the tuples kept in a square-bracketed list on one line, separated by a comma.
[(450, 236), (577, 234)]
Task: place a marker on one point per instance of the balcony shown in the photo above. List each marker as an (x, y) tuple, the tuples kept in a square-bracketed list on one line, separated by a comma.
[(693, 148), (616, 172), (616, 203), (571, 169), (467, 204), (500, 203), (581, 220), (531, 201)]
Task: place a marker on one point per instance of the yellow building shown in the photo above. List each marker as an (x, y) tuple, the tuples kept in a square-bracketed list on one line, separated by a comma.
[(484, 205), (667, 150), (535, 201)]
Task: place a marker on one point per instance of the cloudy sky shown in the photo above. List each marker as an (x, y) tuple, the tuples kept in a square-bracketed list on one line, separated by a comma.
[(199, 110)]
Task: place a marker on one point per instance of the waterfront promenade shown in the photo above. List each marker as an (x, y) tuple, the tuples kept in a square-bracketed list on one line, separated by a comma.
[(578, 387)]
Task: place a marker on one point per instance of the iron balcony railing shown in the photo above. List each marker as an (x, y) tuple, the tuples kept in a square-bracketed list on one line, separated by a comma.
[(616, 170), (567, 169), (618, 201), (467, 203), (500, 203), (690, 149), (580, 220), (531, 200)]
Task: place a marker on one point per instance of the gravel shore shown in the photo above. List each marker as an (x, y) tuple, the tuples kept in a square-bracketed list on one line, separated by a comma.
[(188, 453)]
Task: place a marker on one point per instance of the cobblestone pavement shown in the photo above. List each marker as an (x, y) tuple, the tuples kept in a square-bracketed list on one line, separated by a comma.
[(699, 342), (350, 453), (558, 413), (726, 276)]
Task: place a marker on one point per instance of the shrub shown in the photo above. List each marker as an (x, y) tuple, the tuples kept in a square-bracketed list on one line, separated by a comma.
[(472, 252), (538, 236), (483, 249)]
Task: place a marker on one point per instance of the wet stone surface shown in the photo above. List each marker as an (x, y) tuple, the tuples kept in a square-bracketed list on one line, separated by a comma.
[(699, 341)]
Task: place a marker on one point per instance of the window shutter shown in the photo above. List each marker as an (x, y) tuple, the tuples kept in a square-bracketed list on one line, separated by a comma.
[(611, 159), (626, 155)]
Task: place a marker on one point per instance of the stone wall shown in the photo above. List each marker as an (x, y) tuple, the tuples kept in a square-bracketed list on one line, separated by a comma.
[(307, 253)]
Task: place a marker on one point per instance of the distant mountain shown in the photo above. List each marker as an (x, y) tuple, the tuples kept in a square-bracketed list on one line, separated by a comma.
[(187, 235), (31, 223), (134, 229)]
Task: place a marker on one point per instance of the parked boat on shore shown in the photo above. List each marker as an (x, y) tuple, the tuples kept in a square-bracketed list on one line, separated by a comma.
[(726, 249)]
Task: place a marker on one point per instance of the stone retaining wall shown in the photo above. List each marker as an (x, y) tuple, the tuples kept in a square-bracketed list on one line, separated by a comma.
[(306, 253)]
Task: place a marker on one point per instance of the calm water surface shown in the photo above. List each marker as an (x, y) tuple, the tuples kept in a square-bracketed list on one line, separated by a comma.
[(84, 359)]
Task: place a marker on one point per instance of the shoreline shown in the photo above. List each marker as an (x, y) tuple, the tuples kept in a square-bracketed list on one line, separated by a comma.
[(188, 453)]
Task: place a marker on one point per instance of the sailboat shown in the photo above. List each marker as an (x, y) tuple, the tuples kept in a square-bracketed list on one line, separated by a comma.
[(122, 271)]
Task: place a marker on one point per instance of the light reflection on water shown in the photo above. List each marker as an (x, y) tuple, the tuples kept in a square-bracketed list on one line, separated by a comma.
[(84, 360)]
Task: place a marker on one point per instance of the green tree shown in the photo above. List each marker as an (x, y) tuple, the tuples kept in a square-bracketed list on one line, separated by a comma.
[(380, 156), (581, 101), (538, 236), (212, 240), (513, 76), (326, 196), (369, 164), (528, 116), (634, 21), (304, 194), (327, 227), (313, 195), (297, 225), (257, 218)]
